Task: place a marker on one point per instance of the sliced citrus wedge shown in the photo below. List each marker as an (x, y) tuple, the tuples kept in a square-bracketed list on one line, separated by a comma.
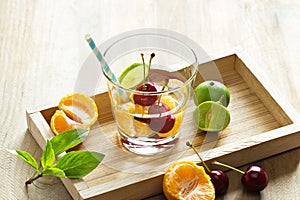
[(186, 180), (172, 103), (134, 75), (174, 130), (211, 116)]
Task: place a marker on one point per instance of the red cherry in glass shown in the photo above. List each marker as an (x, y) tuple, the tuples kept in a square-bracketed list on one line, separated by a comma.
[(255, 179), (144, 120), (220, 181), (161, 124), (145, 99), (158, 108)]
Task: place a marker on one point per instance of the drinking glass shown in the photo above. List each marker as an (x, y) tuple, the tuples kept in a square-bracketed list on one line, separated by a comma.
[(155, 74)]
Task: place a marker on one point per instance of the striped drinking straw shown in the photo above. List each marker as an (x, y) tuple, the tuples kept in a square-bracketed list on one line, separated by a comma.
[(106, 68), (100, 58)]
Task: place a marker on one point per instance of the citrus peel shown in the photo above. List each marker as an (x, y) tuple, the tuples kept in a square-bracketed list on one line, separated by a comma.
[(75, 111)]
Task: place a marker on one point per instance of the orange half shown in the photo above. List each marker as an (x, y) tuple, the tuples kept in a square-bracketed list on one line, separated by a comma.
[(76, 111), (80, 108), (186, 180)]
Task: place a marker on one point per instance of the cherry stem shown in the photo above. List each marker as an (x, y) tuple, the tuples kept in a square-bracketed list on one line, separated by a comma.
[(152, 55), (162, 89), (228, 166), (33, 179), (202, 161), (142, 55)]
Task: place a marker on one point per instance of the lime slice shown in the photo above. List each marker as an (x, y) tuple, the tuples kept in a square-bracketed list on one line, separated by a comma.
[(211, 116), (211, 91), (133, 75)]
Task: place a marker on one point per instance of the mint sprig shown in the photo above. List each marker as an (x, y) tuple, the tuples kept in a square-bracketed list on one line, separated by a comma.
[(74, 164)]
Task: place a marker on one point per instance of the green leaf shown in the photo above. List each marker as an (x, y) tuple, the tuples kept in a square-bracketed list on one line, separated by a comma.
[(48, 156), (27, 157), (67, 140), (52, 171), (77, 164)]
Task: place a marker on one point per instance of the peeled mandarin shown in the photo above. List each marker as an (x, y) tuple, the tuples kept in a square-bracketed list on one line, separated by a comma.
[(60, 122), (186, 180), (75, 111), (80, 108)]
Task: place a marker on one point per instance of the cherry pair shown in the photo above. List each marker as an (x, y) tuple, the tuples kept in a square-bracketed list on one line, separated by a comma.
[(254, 179), (161, 124)]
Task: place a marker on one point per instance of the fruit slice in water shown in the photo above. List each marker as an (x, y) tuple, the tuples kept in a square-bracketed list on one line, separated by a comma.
[(176, 126), (211, 91), (186, 180), (171, 102), (211, 116), (133, 75)]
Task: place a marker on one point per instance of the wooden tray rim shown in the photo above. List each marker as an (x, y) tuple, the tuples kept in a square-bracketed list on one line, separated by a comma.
[(292, 130)]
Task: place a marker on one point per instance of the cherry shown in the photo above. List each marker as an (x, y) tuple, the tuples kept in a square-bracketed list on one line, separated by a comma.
[(161, 124), (158, 108), (220, 181), (218, 178), (145, 99), (144, 120), (255, 178)]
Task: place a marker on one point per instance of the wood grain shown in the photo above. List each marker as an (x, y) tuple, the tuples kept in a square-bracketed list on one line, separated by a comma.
[(42, 50), (255, 131)]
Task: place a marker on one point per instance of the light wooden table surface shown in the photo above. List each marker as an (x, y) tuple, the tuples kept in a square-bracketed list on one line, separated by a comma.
[(42, 49)]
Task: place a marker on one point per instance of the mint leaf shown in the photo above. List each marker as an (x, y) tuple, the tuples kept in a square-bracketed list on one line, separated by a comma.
[(77, 164), (27, 157), (67, 140), (52, 171), (48, 155)]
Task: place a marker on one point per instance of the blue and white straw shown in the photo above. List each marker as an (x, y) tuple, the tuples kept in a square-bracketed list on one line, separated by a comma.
[(100, 58), (106, 68)]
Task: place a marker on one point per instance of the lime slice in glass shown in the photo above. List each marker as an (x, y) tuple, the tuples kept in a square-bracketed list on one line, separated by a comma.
[(211, 116), (133, 75)]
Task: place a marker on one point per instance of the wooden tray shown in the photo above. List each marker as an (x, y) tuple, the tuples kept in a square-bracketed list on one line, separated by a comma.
[(262, 125)]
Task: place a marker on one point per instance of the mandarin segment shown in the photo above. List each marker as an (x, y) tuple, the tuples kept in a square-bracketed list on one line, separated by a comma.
[(174, 130), (60, 122), (170, 101), (186, 180), (141, 129)]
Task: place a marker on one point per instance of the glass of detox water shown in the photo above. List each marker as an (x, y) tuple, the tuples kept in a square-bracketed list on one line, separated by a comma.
[(155, 73)]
